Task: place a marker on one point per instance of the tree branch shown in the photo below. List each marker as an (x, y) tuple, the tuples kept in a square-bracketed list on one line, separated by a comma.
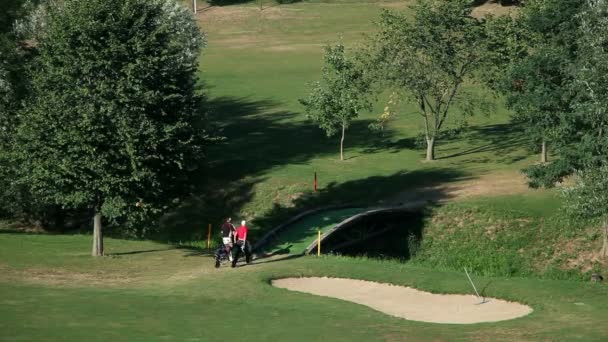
[(426, 119), (448, 103)]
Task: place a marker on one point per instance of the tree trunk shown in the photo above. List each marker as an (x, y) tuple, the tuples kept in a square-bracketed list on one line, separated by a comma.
[(430, 149), (97, 234), (543, 153), (342, 143), (604, 251)]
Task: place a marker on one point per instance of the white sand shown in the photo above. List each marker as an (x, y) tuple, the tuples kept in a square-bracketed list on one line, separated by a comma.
[(408, 303)]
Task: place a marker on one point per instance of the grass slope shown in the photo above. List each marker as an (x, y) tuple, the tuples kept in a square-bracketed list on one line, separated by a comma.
[(176, 294), (257, 65), (511, 236)]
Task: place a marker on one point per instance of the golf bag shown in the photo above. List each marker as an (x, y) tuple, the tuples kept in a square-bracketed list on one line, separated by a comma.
[(222, 255)]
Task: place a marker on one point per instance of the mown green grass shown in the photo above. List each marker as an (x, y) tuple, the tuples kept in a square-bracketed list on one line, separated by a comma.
[(255, 68), (190, 300), (516, 235)]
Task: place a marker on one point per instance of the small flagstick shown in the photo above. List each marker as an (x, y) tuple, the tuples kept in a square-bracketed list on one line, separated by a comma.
[(474, 288)]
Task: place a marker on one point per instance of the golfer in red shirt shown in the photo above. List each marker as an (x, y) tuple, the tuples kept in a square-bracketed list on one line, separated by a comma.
[(242, 244)]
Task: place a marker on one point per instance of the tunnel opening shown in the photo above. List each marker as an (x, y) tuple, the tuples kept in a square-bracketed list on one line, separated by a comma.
[(395, 235)]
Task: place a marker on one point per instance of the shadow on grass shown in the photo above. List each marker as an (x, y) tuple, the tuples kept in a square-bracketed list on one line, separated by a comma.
[(267, 260), (262, 3), (482, 292), (196, 251), (259, 137), (282, 251), (501, 2), (371, 191), (504, 138), (228, 2), (20, 231), (144, 251)]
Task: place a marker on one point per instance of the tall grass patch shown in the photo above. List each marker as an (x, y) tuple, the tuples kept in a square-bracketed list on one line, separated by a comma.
[(510, 236)]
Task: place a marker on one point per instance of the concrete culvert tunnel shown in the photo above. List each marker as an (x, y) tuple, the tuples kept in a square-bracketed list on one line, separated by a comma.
[(390, 233)]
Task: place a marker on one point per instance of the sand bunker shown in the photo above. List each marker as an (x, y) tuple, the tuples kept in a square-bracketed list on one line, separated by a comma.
[(408, 303)]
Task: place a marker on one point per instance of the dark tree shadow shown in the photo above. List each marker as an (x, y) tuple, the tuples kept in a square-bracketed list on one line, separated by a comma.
[(268, 260), (144, 251), (264, 3), (228, 2), (203, 9), (503, 139), (482, 292), (257, 138), (20, 231), (501, 2), (282, 251), (196, 251)]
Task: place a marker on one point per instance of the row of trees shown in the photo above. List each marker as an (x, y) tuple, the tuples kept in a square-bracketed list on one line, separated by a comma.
[(559, 90), (104, 119), (549, 61), (426, 59)]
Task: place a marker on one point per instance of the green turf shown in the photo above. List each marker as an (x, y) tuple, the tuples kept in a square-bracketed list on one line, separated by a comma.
[(296, 237), (255, 68), (515, 235), (53, 292)]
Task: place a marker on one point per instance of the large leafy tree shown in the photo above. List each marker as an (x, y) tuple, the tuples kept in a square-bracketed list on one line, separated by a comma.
[(14, 55), (114, 126), (429, 57), (587, 147), (540, 93), (14, 58), (538, 83), (582, 141), (340, 96), (588, 196)]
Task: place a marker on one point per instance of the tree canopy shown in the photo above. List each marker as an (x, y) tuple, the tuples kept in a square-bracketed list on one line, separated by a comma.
[(429, 57), (582, 142), (538, 81), (14, 89), (340, 96), (115, 125)]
